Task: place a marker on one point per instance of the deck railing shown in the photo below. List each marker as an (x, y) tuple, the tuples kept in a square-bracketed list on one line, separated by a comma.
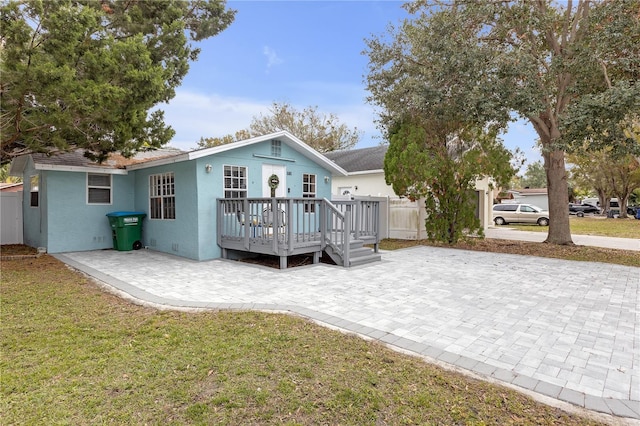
[(286, 226)]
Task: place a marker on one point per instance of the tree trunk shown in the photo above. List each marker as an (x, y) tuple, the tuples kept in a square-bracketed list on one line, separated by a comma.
[(622, 202), (558, 193)]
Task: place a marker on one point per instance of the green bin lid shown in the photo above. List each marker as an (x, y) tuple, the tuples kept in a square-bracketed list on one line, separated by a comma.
[(122, 214)]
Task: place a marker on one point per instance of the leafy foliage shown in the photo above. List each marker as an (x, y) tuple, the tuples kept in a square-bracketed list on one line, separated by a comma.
[(535, 176), (4, 175), (322, 132), (226, 139), (608, 174), (480, 61), (443, 171), (86, 73)]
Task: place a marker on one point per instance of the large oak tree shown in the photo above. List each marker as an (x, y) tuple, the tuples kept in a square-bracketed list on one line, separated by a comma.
[(323, 132), (570, 69), (87, 73)]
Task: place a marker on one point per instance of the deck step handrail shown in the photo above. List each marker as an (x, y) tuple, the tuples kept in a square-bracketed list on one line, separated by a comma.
[(338, 232), (365, 217)]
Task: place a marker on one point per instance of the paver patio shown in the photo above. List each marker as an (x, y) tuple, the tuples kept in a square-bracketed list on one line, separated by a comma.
[(564, 329)]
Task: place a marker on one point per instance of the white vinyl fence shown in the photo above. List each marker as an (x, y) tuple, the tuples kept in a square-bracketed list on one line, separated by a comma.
[(11, 218)]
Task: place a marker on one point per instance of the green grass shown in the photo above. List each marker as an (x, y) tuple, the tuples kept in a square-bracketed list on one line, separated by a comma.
[(566, 252), (621, 228), (74, 354)]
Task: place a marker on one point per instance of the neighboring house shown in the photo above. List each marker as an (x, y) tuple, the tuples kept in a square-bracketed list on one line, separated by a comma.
[(182, 194), (535, 196), (404, 218)]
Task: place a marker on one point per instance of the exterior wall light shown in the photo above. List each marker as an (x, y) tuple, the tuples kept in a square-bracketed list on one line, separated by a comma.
[(208, 168), (326, 179)]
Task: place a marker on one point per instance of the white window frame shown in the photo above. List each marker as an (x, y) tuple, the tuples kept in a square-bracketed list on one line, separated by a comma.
[(90, 187), (34, 178), (276, 148), (232, 186), (237, 187), (309, 190), (162, 194)]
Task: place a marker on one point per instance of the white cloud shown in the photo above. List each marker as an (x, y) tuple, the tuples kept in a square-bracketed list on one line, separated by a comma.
[(193, 115), (272, 57)]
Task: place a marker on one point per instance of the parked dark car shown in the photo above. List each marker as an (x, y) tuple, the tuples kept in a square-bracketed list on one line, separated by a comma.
[(582, 209), (634, 211)]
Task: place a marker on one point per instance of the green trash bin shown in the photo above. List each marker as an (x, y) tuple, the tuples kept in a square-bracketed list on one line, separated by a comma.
[(126, 228)]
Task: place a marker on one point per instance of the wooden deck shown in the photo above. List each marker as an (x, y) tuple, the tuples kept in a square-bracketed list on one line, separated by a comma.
[(290, 226)]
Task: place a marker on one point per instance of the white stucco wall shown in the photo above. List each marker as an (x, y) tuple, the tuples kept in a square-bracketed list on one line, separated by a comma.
[(539, 200), (367, 184)]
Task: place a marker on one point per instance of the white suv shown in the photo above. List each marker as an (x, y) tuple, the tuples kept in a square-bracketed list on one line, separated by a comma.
[(519, 213)]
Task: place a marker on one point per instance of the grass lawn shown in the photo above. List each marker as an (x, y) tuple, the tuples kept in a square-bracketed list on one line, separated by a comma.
[(594, 225), (576, 252), (74, 354)]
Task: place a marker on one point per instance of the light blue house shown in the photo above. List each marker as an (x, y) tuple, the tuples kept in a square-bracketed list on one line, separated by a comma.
[(267, 194)]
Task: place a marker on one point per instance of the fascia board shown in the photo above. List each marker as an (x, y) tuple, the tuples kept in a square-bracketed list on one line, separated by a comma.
[(80, 169), (366, 172)]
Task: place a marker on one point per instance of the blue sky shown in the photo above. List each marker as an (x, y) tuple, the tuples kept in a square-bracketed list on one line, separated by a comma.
[(305, 53)]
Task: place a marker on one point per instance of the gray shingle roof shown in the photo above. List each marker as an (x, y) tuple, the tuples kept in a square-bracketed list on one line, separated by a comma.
[(359, 160), (115, 161)]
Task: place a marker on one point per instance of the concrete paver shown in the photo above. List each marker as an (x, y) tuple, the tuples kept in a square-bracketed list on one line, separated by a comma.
[(567, 330)]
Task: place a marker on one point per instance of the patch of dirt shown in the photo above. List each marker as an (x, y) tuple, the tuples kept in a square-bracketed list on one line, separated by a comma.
[(17, 250), (292, 261)]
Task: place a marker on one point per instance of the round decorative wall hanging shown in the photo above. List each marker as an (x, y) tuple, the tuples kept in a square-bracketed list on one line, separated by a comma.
[(274, 181)]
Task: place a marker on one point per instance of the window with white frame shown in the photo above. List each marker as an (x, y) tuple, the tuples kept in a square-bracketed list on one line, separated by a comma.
[(235, 183), (309, 191), (34, 183), (98, 188), (162, 196), (276, 148)]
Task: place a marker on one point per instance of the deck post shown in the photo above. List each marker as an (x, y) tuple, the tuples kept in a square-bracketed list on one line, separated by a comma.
[(289, 224), (323, 223), (283, 262), (247, 222), (346, 242), (219, 218), (275, 224), (358, 214)]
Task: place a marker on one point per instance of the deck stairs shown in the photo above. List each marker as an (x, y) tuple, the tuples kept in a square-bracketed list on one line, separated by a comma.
[(358, 254)]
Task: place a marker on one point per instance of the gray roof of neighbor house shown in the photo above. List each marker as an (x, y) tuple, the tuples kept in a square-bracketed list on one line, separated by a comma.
[(115, 160), (530, 191), (359, 160), (76, 160)]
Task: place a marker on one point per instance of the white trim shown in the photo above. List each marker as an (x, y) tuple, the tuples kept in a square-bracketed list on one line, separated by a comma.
[(82, 169), (162, 195), (246, 180), (110, 187), (270, 157), (285, 136), (365, 172)]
